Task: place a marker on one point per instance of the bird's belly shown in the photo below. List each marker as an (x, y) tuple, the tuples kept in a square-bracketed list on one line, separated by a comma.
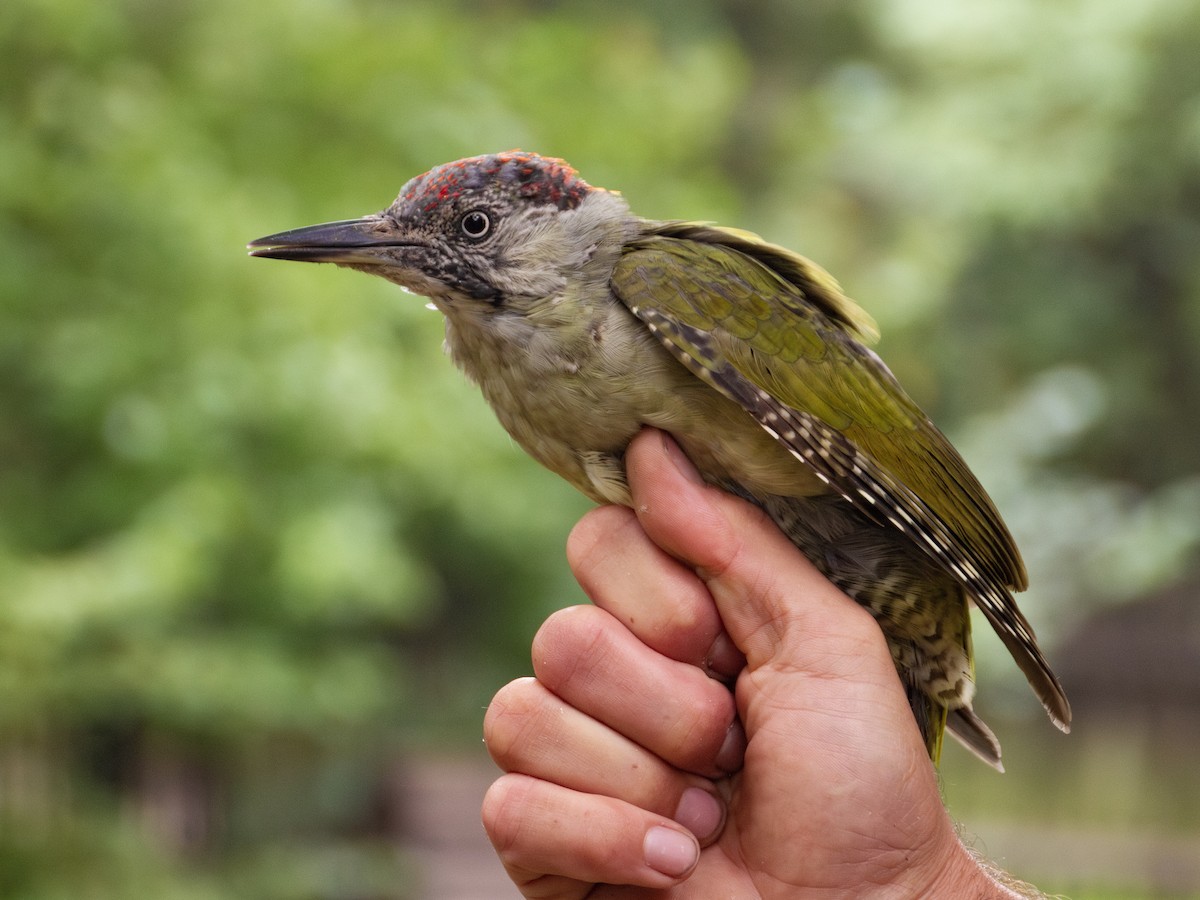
[(581, 433)]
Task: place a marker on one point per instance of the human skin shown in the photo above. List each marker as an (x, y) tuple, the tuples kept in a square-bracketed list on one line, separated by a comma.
[(632, 768)]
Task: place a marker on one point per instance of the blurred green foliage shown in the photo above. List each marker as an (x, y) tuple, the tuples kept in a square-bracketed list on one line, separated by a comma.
[(258, 539)]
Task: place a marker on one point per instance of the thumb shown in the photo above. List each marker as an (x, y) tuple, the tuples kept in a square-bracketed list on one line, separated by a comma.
[(770, 597)]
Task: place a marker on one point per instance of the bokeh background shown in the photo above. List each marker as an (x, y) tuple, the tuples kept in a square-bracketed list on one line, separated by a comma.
[(265, 556)]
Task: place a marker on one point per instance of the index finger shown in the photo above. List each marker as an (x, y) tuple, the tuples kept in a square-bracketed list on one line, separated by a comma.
[(651, 593)]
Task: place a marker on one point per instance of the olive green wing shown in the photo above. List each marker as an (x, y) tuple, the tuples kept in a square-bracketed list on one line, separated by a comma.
[(773, 332)]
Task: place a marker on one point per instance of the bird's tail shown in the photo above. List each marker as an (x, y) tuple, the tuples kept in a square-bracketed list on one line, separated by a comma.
[(973, 733), (934, 719)]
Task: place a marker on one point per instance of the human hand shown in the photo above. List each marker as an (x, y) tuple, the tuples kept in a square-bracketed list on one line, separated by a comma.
[(625, 758)]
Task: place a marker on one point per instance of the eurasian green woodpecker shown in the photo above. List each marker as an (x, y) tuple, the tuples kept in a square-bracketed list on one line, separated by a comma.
[(582, 323)]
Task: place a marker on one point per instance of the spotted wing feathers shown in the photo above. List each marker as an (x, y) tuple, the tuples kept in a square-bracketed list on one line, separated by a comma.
[(773, 332)]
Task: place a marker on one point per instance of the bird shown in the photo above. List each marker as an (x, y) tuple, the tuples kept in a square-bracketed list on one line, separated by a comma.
[(582, 323)]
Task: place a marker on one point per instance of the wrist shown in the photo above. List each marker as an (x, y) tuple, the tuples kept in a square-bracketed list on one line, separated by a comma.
[(966, 875)]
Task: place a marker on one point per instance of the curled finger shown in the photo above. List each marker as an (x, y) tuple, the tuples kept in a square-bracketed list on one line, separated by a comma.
[(531, 731), (557, 843)]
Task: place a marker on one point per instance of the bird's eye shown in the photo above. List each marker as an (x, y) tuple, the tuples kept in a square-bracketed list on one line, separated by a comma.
[(475, 224)]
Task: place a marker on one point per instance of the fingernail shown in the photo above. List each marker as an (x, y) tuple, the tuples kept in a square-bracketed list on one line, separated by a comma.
[(669, 851), (700, 813), (733, 750), (680, 460), (724, 659)]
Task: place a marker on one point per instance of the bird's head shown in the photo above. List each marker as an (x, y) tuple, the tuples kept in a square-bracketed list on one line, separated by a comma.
[(498, 231)]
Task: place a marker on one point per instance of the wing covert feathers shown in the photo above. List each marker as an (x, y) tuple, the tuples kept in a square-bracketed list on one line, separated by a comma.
[(774, 332)]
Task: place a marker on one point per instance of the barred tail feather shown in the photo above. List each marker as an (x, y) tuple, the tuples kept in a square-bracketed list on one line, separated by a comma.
[(934, 719), (972, 733)]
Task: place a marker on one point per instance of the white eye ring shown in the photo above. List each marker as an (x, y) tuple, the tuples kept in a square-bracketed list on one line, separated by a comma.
[(475, 224)]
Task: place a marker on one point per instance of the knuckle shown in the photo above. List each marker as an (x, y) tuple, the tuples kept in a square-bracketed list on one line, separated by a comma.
[(506, 805), (702, 736), (600, 550), (565, 642), (559, 626), (508, 717), (590, 539)]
